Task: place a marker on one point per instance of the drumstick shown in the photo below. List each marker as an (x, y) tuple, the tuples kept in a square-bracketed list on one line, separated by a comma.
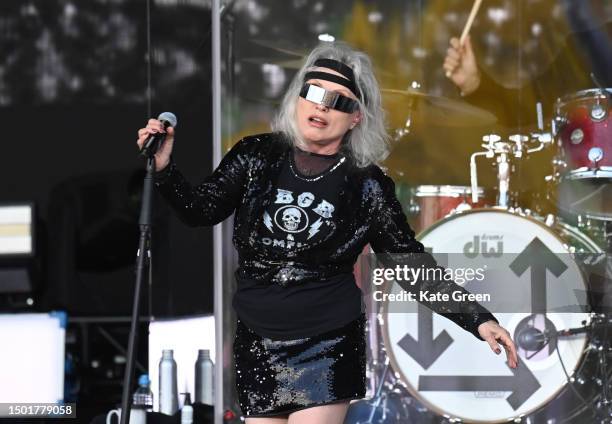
[(470, 21), (466, 28)]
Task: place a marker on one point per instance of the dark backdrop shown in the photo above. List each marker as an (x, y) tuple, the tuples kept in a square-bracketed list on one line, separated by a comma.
[(73, 92)]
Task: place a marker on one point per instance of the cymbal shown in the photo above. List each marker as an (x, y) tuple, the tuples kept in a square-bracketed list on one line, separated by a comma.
[(424, 108), (282, 47), (283, 63)]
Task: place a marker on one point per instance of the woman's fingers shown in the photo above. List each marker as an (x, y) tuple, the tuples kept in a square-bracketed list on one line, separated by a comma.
[(154, 123), (162, 155), (493, 344), (145, 133), (508, 344), (505, 340), (154, 126)]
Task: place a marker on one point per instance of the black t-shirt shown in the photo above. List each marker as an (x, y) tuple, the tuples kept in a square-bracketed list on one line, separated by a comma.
[(302, 213)]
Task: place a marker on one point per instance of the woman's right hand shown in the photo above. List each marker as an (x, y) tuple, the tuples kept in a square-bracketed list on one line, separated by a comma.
[(162, 156)]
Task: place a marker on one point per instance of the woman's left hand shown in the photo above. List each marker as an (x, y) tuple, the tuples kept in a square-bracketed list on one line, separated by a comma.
[(495, 334)]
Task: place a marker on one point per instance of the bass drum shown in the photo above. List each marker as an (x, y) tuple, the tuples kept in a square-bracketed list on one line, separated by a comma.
[(457, 376)]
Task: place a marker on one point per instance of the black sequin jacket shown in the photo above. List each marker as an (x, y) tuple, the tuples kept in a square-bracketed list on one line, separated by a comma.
[(368, 212)]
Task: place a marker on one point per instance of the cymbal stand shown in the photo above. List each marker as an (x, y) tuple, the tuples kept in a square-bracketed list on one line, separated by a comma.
[(405, 130)]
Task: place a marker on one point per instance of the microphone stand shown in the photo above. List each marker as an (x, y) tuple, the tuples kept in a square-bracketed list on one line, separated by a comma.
[(144, 223)]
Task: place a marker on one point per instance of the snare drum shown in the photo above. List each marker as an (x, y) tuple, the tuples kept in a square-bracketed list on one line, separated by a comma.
[(584, 136)]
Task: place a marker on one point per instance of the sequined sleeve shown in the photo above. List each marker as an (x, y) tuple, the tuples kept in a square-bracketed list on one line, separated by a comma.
[(216, 197), (394, 242)]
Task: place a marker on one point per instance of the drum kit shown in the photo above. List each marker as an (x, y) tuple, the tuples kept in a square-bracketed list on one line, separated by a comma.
[(423, 368)]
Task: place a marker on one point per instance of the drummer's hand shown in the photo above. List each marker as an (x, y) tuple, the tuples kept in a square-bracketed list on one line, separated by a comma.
[(495, 334), (460, 66), (162, 156)]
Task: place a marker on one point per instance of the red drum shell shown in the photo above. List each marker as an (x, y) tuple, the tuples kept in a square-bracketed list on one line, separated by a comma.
[(576, 113), (436, 202)]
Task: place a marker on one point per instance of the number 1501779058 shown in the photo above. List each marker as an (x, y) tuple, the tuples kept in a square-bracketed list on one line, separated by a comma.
[(42, 410)]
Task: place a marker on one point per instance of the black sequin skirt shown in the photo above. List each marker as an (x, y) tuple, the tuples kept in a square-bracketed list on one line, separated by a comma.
[(276, 377)]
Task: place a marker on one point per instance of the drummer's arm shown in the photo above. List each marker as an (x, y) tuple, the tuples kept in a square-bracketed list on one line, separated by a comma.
[(477, 87)]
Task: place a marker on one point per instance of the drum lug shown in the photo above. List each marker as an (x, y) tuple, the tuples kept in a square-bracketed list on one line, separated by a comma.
[(595, 155), (598, 113), (577, 136)]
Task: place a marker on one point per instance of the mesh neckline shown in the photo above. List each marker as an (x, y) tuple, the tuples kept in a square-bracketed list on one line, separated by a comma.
[(312, 165), (307, 153)]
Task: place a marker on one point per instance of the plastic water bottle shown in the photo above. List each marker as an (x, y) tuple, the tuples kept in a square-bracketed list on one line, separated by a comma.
[(204, 372), (143, 396), (187, 410), (168, 392)]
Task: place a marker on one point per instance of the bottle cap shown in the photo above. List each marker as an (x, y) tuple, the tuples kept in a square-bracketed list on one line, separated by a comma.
[(144, 380), (167, 353), (204, 353), (187, 398)]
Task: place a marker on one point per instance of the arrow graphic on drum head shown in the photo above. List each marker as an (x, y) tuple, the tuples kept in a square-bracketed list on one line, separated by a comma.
[(522, 383), (426, 350), (539, 258)]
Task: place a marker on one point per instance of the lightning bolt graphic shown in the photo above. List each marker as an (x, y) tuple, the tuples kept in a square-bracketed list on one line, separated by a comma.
[(267, 221), (314, 228)]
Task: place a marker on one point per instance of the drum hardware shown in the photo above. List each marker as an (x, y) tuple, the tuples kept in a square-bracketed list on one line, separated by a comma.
[(388, 403), (558, 122), (503, 152), (559, 167), (377, 396), (405, 129), (595, 155), (604, 92), (550, 220), (599, 323), (537, 340)]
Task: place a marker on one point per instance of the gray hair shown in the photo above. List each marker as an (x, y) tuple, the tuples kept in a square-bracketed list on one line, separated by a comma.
[(368, 142)]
